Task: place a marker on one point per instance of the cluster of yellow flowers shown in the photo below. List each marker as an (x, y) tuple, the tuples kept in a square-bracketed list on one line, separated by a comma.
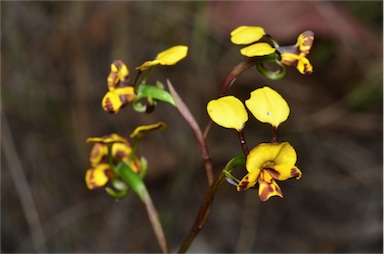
[(265, 163)]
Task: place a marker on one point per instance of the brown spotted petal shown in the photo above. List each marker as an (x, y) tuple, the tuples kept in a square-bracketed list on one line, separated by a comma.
[(268, 189), (98, 176), (286, 171), (118, 76), (98, 154), (121, 151), (114, 100), (248, 180)]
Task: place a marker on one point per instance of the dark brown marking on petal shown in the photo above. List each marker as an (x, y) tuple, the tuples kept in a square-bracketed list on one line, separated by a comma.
[(91, 180), (120, 155), (273, 173), (243, 184), (295, 173), (278, 190), (112, 79), (108, 106), (264, 195)]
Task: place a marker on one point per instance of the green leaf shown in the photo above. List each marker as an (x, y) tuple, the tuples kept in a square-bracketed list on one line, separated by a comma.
[(132, 179), (231, 165), (154, 92)]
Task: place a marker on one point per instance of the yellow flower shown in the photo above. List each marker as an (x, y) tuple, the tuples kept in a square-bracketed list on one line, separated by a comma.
[(120, 92), (98, 176), (168, 57), (247, 34), (144, 129), (295, 55), (268, 106), (244, 35), (119, 149), (228, 112), (267, 163)]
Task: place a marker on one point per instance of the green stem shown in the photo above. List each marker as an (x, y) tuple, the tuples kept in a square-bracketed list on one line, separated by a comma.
[(205, 206)]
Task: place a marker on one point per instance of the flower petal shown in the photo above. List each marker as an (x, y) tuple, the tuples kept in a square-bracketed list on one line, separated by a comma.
[(111, 138), (172, 55), (168, 57), (114, 100), (304, 66), (119, 72), (247, 34), (148, 64), (228, 112), (248, 180), (268, 106), (283, 172), (98, 153), (267, 190), (275, 154), (304, 42), (97, 177), (142, 130), (121, 151), (257, 49)]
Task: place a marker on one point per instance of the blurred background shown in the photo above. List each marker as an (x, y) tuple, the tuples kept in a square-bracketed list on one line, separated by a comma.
[(55, 58)]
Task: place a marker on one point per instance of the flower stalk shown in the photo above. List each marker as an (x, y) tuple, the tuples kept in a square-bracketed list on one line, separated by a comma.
[(205, 207)]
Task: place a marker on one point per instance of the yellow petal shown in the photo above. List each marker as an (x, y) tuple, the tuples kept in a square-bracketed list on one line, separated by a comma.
[(275, 154), (248, 180), (98, 153), (267, 190), (118, 98), (121, 151), (304, 42), (97, 177), (142, 130), (257, 49), (172, 55), (111, 102), (111, 138), (285, 171), (304, 66), (148, 64), (268, 106), (228, 112), (119, 72), (247, 34)]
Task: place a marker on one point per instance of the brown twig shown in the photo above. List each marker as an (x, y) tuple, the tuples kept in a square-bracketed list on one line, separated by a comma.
[(183, 109)]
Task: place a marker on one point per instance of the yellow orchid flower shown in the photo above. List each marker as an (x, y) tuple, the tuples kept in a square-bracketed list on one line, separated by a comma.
[(120, 92), (168, 57), (228, 112), (120, 150), (295, 55), (268, 106), (267, 163)]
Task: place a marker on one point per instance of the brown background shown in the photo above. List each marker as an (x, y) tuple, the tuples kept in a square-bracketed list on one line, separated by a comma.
[(55, 57)]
